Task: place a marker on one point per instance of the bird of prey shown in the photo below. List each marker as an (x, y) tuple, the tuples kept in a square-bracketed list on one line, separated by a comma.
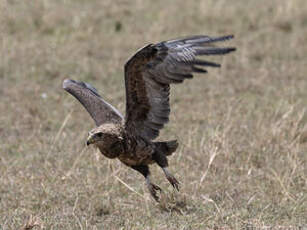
[(148, 75)]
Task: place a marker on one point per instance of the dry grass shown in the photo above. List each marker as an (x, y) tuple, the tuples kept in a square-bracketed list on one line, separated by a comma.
[(242, 159)]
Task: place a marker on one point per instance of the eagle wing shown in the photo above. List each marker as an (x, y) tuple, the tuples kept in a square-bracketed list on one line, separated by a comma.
[(149, 73), (100, 110)]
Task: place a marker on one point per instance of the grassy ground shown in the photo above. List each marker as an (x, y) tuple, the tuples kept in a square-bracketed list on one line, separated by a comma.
[(243, 139)]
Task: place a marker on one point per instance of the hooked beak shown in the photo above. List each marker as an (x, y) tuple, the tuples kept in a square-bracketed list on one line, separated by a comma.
[(89, 140)]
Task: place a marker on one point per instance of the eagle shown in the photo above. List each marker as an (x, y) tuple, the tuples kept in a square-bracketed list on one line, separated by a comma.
[(148, 75)]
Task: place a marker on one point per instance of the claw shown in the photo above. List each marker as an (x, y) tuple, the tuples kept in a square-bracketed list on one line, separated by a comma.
[(153, 191), (153, 188), (174, 182)]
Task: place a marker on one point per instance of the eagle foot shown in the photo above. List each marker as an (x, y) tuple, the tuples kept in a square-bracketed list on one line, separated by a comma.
[(153, 188), (174, 182)]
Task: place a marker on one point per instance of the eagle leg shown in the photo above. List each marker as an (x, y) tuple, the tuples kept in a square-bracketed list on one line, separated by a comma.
[(153, 188), (161, 160), (174, 182)]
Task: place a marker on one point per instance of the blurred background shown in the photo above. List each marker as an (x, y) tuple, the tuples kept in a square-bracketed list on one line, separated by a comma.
[(241, 128)]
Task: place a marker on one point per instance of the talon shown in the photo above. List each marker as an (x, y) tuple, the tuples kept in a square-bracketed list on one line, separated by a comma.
[(173, 182), (153, 190)]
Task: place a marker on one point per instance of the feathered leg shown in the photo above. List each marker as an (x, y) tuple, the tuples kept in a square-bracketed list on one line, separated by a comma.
[(153, 188), (161, 160)]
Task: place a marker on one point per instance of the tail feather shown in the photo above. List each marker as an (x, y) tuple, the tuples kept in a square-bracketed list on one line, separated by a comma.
[(167, 147)]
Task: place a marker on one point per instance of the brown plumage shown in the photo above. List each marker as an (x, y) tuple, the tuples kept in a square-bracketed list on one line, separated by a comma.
[(148, 75)]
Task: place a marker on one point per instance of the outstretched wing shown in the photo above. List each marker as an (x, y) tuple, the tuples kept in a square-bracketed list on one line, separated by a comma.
[(100, 110), (151, 70)]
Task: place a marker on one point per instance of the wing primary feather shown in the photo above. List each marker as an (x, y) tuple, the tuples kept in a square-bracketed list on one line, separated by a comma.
[(155, 125), (205, 63), (198, 70), (217, 39), (198, 39), (223, 38), (157, 119), (178, 75), (182, 76), (213, 50)]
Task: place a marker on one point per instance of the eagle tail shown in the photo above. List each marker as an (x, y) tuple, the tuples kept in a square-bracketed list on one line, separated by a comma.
[(167, 147)]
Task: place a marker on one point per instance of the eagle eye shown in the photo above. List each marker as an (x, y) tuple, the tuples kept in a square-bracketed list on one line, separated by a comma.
[(99, 134)]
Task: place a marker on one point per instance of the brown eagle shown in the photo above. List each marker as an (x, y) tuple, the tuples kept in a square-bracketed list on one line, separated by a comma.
[(148, 75)]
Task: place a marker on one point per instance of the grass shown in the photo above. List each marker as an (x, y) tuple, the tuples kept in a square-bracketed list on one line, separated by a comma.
[(242, 129)]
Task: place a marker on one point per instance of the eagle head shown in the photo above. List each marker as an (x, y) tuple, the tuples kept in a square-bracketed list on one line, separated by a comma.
[(105, 135)]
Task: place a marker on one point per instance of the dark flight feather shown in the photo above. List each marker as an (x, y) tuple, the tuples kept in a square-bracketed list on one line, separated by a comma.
[(152, 69)]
